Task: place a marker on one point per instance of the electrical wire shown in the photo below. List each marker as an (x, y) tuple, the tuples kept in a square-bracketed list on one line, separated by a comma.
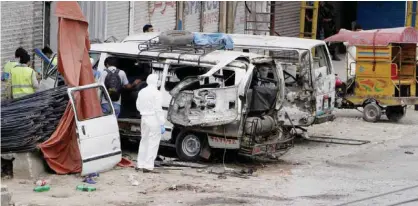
[(380, 195), (404, 202)]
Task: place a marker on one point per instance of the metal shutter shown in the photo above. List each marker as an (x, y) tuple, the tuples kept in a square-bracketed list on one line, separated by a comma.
[(21, 25), (239, 21), (163, 15), (378, 15), (141, 16), (117, 19), (287, 18), (259, 12), (211, 14), (95, 14), (192, 15)]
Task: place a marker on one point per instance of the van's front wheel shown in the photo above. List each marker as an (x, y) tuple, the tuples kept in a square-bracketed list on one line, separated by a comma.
[(188, 147)]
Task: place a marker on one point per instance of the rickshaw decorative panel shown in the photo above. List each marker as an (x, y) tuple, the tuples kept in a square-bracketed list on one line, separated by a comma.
[(374, 86), (366, 69), (369, 54)]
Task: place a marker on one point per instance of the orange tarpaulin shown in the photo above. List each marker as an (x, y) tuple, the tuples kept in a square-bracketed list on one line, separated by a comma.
[(61, 149)]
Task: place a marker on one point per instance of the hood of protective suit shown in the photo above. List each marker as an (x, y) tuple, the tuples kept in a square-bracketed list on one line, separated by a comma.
[(152, 80)]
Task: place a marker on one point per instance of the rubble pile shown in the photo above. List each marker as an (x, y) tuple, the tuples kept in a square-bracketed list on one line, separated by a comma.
[(31, 119)]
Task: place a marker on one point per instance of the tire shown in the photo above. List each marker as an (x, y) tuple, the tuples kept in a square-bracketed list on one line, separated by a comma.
[(395, 113), (372, 112), (188, 147)]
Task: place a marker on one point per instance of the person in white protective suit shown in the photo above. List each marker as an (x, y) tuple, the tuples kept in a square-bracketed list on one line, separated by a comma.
[(149, 104)]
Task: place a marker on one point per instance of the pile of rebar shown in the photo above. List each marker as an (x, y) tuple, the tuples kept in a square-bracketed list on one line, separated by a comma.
[(30, 120)]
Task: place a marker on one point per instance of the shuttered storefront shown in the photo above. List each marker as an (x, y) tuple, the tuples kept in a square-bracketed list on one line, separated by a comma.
[(141, 17), (95, 14), (162, 15), (211, 16), (287, 18), (21, 26), (191, 12), (239, 21), (117, 24)]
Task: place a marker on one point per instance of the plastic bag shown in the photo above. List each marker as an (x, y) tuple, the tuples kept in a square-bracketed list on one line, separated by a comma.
[(162, 129)]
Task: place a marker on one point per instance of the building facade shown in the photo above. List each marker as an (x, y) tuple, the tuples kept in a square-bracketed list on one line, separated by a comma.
[(113, 21)]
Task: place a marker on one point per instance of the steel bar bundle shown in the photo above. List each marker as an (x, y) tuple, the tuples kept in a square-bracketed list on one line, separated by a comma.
[(30, 120)]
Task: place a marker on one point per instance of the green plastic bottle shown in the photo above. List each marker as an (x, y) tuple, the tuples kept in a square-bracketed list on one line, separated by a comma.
[(42, 188), (85, 188)]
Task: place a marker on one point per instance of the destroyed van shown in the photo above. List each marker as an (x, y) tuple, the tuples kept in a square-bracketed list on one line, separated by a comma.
[(212, 98), (308, 72)]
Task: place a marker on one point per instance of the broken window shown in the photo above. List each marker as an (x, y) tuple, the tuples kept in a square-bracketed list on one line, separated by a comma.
[(321, 58)]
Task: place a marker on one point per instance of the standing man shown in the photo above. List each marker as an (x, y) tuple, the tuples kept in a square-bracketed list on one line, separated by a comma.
[(48, 53), (148, 28), (149, 104), (9, 65), (114, 80), (327, 25), (23, 78)]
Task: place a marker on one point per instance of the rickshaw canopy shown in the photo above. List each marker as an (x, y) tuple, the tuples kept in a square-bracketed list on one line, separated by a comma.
[(377, 37)]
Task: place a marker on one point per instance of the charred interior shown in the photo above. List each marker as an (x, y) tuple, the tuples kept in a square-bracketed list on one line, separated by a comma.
[(299, 89), (261, 124), (206, 101)]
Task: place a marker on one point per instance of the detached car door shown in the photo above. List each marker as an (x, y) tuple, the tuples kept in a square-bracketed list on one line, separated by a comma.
[(98, 137)]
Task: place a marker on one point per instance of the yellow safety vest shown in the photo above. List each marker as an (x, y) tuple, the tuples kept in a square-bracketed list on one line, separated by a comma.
[(8, 66), (21, 77), (55, 61)]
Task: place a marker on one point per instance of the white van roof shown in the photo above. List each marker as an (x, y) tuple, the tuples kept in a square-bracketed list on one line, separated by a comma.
[(131, 48), (241, 40), (274, 41)]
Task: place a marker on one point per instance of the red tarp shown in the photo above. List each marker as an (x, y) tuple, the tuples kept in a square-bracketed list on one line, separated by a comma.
[(61, 150), (378, 37)]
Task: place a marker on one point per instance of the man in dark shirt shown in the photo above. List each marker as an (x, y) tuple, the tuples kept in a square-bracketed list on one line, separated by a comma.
[(326, 24)]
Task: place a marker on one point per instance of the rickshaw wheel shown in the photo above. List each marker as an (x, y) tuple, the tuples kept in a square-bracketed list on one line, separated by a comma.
[(372, 112), (395, 113)]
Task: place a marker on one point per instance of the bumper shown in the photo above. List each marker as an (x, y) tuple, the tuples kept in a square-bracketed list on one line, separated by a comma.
[(268, 148)]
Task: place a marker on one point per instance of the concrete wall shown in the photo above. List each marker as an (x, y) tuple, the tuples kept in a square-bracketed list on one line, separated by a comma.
[(21, 26)]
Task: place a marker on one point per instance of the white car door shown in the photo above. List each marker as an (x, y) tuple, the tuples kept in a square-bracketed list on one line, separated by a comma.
[(324, 81), (98, 137)]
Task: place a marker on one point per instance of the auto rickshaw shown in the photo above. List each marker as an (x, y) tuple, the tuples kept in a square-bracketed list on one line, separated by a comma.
[(381, 72)]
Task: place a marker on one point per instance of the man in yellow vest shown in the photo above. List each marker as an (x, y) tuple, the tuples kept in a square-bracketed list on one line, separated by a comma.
[(9, 65), (23, 78)]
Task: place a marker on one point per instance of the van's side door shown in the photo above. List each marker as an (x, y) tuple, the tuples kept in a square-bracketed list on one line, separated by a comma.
[(324, 81), (98, 137)]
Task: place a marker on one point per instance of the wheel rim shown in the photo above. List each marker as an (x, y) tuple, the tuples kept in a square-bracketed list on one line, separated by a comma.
[(191, 145), (372, 113)]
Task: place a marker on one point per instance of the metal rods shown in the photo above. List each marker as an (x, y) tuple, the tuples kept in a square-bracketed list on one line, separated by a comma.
[(31, 119)]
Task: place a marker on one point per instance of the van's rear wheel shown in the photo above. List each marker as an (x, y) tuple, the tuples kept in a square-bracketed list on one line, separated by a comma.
[(372, 112), (395, 113), (188, 147)]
